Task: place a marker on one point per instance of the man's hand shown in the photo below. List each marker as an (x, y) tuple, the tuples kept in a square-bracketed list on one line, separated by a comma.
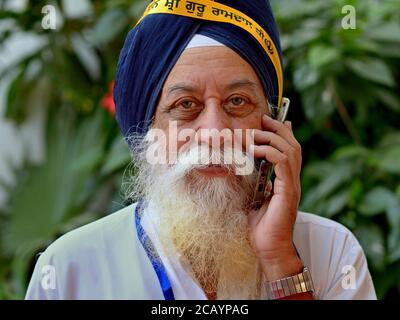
[(271, 227)]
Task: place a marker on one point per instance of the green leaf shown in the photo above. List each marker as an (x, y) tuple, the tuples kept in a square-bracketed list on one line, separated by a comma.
[(395, 255), (118, 157), (393, 245), (305, 76), (389, 99), (297, 8), (375, 201), (393, 216), (46, 196), (336, 203), (348, 219), (321, 55), (350, 151), (391, 139), (389, 160), (385, 32), (108, 26), (372, 69), (18, 94), (356, 192), (339, 174), (381, 199), (371, 239), (302, 37), (88, 160), (87, 56), (317, 103), (318, 169), (137, 8), (377, 49)]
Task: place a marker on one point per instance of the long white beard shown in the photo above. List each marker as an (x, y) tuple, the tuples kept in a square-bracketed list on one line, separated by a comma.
[(204, 219)]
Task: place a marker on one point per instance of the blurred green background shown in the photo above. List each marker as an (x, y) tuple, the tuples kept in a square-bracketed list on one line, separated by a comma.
[(343, 83)]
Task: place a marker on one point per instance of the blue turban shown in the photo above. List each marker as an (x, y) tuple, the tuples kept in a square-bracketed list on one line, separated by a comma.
[(153, 46)]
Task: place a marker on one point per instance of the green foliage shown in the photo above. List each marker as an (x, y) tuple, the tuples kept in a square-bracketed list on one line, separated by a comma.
[(67, 75), (347, 84), (343, 85)]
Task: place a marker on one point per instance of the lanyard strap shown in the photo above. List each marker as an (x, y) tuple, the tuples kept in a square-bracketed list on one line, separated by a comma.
[(152, 254)]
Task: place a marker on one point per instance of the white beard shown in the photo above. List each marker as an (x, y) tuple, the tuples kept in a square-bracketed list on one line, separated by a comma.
[(204, 219)]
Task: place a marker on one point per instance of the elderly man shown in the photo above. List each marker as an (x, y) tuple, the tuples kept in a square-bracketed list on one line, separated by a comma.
[(189, 71)]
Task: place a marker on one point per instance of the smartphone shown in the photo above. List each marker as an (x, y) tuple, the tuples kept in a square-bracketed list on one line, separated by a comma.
[(265, 168)]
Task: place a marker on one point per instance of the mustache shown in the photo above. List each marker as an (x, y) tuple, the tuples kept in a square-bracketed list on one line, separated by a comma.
[(198, 156)]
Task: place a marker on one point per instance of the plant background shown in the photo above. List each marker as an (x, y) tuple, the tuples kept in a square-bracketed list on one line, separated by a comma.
[(345, 110)]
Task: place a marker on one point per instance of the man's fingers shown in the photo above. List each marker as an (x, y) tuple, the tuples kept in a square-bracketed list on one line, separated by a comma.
[(281, 129), (274, 156), (271, 138), (274, 140), (268, 152)]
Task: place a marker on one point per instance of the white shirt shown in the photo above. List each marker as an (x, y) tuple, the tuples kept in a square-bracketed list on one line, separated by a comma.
[(105, 260)]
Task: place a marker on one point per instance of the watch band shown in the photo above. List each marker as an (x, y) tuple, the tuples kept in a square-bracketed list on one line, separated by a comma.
[(299, 283)]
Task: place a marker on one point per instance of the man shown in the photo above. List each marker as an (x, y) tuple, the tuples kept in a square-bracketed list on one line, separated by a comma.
[(195, 92)]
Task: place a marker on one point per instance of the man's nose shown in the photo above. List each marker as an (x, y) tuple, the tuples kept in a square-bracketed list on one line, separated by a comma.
[(213, 122)]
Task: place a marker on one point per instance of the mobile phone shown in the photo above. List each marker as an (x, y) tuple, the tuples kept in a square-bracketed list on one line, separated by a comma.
[(265, 168)]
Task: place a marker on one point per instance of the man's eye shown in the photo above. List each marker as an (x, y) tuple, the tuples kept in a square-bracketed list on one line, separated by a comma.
[(237, 101), (186, 104)]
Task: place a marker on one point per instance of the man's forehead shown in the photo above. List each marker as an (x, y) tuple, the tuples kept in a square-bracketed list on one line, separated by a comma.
[(199, 65), (192, 86)]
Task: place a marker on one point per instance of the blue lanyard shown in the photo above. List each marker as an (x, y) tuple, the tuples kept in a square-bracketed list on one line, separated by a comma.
[(152, 254)]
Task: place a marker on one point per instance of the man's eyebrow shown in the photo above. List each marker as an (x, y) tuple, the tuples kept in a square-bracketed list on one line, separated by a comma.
[(187, 87), (184, 87), (241, 83)]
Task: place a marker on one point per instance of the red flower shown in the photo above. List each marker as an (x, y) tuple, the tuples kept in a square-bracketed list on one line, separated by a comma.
[(107, 102)]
